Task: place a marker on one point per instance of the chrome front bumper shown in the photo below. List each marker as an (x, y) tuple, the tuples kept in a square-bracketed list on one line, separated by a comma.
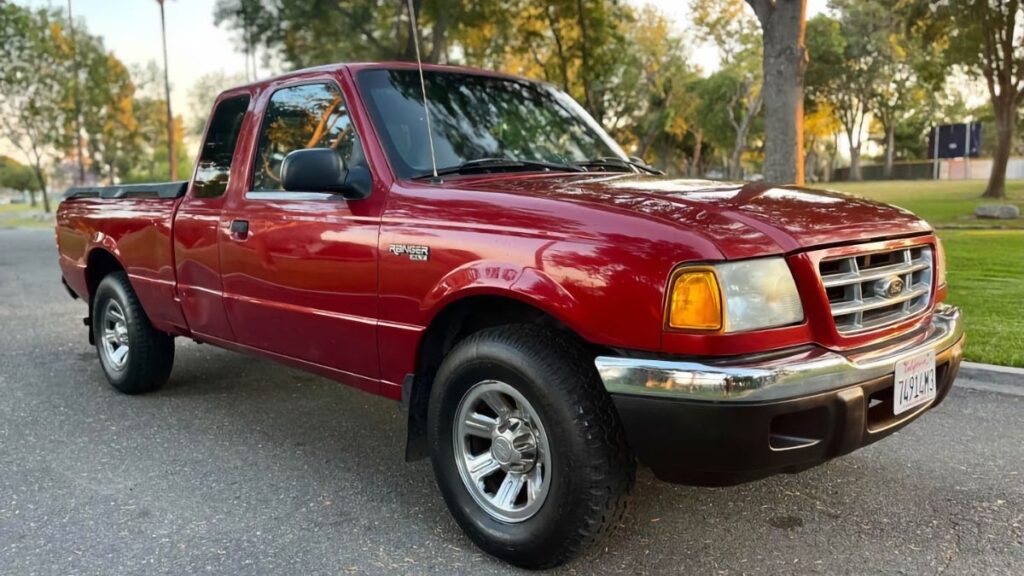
[(774, 377)]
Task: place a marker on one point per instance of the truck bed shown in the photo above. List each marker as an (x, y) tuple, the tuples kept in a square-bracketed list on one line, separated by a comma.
[(133, 223)]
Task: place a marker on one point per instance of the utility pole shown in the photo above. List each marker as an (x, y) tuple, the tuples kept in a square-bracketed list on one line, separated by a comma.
[(80, 173), (171, 156)]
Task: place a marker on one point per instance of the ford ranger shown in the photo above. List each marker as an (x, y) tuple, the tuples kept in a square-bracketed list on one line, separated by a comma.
[(547, 311)]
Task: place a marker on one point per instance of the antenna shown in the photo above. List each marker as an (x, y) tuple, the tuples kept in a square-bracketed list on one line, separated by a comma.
[(423, 85)]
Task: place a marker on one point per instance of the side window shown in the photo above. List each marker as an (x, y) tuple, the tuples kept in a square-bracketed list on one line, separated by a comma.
[(308, 116), (211, 178)]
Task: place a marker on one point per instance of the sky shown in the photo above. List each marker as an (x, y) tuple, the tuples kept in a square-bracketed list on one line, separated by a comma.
[(195, 47)]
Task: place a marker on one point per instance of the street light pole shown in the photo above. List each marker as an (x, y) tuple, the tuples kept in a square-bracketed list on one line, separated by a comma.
[(171, 156)]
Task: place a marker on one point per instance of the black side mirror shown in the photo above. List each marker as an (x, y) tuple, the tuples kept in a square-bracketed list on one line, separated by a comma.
[(323, 170)]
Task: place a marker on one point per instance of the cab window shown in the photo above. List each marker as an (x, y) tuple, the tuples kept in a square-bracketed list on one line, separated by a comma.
[(297, 117), (214, 167)]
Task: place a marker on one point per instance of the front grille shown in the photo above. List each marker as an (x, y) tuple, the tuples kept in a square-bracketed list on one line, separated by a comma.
[(874, 289)]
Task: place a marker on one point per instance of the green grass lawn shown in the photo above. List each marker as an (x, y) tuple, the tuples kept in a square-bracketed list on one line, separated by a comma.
[(6, 209), (23, 216), (986, 266), (946, 204), (986, 279)]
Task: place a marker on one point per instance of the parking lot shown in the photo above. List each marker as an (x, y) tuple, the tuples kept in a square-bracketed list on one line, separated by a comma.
[(243, 466)]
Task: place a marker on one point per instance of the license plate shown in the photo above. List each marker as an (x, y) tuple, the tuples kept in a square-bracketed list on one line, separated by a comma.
[(914, 382)]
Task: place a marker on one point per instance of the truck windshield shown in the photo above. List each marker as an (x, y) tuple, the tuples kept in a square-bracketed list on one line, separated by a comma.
[(477, 121)]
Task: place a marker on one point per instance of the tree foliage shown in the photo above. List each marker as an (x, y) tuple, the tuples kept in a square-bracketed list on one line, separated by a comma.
[(986, 39), (17, 176), (32, 96), (61, 90), (731, 97)]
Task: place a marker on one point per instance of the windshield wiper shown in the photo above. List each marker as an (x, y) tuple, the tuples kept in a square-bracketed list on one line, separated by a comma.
[(616, 162), (489, 164)]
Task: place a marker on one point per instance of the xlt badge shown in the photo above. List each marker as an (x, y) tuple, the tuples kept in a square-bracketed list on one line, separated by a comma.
[(415, 252)]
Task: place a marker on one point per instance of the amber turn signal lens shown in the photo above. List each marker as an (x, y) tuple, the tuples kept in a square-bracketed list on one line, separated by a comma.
[(695, 302)]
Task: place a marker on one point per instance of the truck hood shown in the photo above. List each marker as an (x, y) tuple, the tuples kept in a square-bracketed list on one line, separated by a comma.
[(743, 219)]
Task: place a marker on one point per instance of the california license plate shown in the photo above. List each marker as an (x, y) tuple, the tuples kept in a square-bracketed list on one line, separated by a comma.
[(914, 382)]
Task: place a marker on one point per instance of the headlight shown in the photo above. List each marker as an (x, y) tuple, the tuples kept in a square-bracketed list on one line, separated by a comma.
[(940, 263), (734, 296)]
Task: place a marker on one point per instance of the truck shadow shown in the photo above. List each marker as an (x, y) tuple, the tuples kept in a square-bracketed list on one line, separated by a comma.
[(347, 446)]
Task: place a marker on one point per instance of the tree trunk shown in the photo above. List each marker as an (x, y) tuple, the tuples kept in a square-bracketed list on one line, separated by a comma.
[(581, 19), (42, 186), (810, 162), (1005, 119), (782, 25), (695, 169), (742, 130), (735, 170), (890, 149), (855, 175), (438, 35)]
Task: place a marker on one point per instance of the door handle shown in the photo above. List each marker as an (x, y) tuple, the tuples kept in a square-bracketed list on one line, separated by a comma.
[(240, 229)]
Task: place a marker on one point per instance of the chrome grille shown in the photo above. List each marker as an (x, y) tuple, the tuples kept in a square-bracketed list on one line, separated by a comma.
[(874, 289)]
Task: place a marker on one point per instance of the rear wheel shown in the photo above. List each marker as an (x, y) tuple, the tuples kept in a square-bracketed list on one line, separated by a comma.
[(135, 357), (526, 445)]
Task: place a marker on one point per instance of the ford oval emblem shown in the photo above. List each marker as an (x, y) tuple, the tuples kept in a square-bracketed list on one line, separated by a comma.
[(889, 287)]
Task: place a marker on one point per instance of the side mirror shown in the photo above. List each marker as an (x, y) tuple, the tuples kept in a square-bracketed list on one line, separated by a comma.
[(323, 170)]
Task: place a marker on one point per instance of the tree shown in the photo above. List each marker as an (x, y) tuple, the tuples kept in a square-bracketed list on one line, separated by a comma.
[(302, 33), (202, 95), (985, 38), (105, 109), (820, 127), (16, 176), (895, 75), (843, 70), (732, 97), (784, 59), (32, 94), (650, 103)]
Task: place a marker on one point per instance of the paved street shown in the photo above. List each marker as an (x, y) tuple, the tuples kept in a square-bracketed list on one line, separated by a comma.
[(241, 466)]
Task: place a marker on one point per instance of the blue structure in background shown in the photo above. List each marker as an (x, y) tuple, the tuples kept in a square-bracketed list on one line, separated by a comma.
[(953, 140)]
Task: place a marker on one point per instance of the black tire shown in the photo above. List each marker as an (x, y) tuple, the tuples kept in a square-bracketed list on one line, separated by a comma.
[(150, 353), (592, 469)]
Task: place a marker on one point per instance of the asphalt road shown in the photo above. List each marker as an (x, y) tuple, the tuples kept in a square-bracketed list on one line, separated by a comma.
[(241, 466)]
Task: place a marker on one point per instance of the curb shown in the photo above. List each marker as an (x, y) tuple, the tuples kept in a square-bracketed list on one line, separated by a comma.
[(991, 378)]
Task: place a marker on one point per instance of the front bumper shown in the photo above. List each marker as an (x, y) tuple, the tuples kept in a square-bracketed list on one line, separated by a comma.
[(736, 420)]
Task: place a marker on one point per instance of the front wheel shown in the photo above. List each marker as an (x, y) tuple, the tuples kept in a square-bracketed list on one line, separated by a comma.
[(135, 357), (526, 445)]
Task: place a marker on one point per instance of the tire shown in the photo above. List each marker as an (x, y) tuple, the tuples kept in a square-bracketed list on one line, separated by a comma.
[(135, 357), (578, 487)]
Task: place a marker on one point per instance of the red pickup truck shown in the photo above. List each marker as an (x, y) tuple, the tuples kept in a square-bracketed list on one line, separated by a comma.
[(548, 311)]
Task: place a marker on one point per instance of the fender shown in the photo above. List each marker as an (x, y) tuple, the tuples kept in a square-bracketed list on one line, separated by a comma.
[(157, 295), (401, 341), (493, 278)]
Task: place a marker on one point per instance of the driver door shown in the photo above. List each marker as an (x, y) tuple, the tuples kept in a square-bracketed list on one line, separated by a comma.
[(299, 269)]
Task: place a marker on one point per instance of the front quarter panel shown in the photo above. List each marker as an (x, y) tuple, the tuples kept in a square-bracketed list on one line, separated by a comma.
[(600, 272)]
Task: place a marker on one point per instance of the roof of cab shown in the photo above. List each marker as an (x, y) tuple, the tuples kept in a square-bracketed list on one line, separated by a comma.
[(389, 65)]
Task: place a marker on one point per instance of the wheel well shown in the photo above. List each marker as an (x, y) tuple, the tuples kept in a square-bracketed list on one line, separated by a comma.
[(454, 323), (99, 264)]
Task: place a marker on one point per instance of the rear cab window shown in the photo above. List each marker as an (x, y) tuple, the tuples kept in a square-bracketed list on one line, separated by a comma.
[(214, 168)]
